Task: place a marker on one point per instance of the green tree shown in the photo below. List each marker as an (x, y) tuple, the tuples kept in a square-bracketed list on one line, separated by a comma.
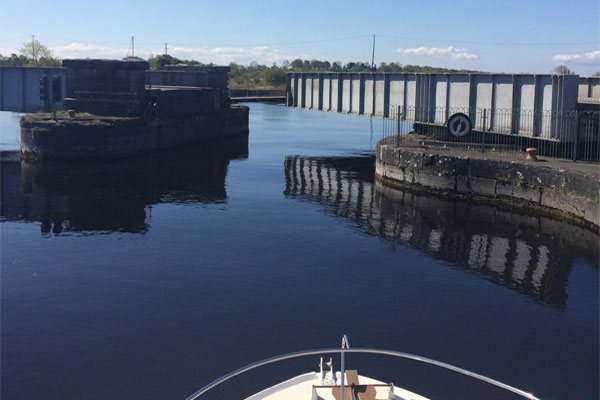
[(38, 55), (562, 70), (48, 62), (296, 64), (13, 61), (158, 62), (34, 50), (234, 69), (275, 76), (337, 66), (357, 67)]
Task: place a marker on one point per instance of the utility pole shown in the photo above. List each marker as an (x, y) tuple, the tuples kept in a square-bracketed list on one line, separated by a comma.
[(132, 48), (166, 45), (373, 55), (33, 47)]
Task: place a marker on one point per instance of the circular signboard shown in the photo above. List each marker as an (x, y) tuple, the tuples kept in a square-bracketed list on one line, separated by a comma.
[(459, 124)]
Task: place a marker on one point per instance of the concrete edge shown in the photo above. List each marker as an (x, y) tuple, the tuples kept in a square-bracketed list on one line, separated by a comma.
[(461, 181)]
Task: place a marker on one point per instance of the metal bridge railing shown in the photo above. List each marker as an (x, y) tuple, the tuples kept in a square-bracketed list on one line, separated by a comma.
[(573, 135)]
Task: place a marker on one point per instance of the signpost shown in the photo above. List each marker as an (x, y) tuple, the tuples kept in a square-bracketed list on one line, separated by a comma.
[(459, 124)]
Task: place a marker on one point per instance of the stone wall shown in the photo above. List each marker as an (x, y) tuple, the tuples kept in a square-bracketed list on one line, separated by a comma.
[(574, 192), (106, 87), (175, 101), (177, 78), (216, 76), (105, 76), (111, 137), (193, 76)]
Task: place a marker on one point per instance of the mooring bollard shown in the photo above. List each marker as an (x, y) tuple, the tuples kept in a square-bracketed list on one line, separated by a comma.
[(531, 154)]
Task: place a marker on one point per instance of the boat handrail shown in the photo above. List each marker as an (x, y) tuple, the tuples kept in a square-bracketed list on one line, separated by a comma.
[(345, 345), (393, 353)]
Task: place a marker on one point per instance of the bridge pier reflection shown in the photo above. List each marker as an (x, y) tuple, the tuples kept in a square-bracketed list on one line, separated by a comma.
[(114, 195), (532, 255)]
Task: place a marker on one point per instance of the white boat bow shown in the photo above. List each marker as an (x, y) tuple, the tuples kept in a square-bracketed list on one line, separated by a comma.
[(323, 386)]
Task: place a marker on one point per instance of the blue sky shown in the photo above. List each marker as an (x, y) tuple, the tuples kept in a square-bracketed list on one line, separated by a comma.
[(496, 36)]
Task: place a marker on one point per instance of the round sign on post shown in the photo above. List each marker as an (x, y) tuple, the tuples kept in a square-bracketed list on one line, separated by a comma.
[(459, 124)]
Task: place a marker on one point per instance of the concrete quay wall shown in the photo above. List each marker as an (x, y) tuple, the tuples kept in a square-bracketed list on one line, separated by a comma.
[(113, 137), (571, 194)]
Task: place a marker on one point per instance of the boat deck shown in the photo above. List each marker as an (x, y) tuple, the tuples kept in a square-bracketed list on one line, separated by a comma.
[(309, 386)]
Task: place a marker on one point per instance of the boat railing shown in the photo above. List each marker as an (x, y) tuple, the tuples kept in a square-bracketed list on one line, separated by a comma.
[(347, 349)]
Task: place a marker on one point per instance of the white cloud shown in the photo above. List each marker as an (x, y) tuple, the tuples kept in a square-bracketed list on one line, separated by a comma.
[(80, 50), (7, 51), (593, 57), (216, 55), (225, 55), (456, 53)]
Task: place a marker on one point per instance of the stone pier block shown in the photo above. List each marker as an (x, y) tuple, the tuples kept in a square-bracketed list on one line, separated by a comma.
[(525, 192), (556, 198), (436, 181), (504, 189), (483, 186), (463, 185), (591, 210)]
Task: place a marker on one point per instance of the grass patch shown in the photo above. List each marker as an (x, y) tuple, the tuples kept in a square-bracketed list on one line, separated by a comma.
[(504, 179), (59, 115)]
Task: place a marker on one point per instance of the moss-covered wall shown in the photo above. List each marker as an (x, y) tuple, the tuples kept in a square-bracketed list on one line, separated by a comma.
[(565, 193), (109, 137)]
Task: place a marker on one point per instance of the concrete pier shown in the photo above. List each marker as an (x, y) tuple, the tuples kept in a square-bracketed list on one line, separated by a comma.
[(115, 114), (559, 188), (89, 138)]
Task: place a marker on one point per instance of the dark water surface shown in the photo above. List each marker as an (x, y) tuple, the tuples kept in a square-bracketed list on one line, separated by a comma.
[(150, 277)]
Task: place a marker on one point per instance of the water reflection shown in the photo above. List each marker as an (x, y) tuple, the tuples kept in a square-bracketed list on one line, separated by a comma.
[(114, 195), (532, 255)]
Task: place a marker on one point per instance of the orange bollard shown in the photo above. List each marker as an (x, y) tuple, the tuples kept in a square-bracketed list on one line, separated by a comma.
[(531, 154)]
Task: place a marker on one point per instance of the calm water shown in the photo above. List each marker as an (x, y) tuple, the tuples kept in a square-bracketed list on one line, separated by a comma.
[(148, 278)]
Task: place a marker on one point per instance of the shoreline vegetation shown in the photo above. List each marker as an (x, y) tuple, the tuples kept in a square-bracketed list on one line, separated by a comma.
[(264, 78), (256, 77), (243, 77)]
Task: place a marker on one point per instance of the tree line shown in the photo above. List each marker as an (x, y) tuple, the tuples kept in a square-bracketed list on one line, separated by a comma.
[(31, 54), (35, 54), (261, 75)]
